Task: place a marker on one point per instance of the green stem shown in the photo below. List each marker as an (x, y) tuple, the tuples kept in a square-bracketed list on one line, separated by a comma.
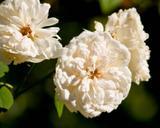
[(29, 72), (33, 85), (6, 84), (25, 78)]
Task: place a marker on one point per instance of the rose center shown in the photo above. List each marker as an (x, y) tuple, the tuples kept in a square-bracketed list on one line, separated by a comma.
[(95, 73), (26, 31)]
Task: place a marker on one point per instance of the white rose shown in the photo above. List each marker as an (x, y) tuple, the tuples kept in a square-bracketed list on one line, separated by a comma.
[(93, 76), (22, 33), (126, 27)]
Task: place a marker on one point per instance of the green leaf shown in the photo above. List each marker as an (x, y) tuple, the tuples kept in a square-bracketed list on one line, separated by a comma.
[(59, 106), (108, 6), (3, 69), (6, 98)]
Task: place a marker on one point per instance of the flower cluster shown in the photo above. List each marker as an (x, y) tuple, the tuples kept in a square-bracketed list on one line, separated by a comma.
[(93, 76), (95, 70), (95, 73)]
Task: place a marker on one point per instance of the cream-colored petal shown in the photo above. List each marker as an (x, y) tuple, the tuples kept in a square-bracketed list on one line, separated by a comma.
[(94, 71), (126, 27), (49, 22)]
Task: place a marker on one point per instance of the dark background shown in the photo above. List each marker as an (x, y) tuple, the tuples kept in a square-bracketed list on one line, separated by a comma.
[(34, 91)]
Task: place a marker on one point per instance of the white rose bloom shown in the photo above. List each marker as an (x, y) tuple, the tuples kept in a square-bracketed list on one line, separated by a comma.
[(93, 76), (22, 33), (126, 27)]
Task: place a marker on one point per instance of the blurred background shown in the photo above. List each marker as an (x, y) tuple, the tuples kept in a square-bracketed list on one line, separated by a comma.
[(34, 90)]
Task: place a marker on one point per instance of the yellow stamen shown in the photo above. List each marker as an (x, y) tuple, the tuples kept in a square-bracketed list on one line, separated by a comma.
[(26, 31), (95, 73)]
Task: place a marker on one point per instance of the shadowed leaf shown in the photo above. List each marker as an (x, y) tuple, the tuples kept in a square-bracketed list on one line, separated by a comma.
[(6, 98), (108, 6), (3, 69)]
